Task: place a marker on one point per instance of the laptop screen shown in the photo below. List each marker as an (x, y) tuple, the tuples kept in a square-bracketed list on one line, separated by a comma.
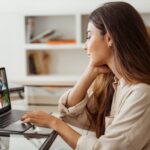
[(5, 105)]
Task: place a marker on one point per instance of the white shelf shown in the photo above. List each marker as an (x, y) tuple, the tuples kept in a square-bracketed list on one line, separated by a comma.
[(48, 80), (49, 47), (43, 58), (54, 59)]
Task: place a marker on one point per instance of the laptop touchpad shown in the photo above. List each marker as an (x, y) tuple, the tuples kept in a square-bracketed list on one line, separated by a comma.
[(17, 126)]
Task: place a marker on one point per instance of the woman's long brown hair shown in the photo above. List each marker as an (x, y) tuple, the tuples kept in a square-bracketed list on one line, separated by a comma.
[(131, 47)]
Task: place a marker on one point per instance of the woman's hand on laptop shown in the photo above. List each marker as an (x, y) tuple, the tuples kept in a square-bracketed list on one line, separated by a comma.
[(41, 119)]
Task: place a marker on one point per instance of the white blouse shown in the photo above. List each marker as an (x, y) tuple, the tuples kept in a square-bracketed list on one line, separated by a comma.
[(127, 127)]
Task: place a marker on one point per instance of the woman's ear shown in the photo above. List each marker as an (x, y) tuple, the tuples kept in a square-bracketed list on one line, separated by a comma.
[(108, 40)]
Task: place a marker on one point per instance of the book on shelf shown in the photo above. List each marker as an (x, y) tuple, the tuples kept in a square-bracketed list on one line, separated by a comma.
[(44, 37), (31, 64), (29, 29), (38, 63), (51, 36), (61, 42)]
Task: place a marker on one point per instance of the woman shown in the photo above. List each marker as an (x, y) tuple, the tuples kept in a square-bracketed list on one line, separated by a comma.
[(112, 97)]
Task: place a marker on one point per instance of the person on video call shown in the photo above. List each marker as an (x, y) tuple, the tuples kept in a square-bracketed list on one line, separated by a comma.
[(1, 100), (112, 97)]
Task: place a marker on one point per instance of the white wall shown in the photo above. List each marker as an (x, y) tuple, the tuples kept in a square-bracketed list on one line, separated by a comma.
[(11, 25), (11, 44), (84, 5)]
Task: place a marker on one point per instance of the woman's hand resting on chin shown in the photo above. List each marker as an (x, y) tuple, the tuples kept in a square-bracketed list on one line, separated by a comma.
[(94, 69)]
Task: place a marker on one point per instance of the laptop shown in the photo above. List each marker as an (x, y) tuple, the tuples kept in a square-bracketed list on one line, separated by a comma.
[(9, 119)]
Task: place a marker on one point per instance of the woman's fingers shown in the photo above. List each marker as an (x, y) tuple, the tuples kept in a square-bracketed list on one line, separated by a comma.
[(38, 118), (27, 120), (28, 117), (104, 69)]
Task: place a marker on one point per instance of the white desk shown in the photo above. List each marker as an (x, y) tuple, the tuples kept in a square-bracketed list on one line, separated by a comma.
[(58, 144)]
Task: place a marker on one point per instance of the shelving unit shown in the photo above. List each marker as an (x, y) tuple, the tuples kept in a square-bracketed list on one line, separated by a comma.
[(64, 59), (64, 62)]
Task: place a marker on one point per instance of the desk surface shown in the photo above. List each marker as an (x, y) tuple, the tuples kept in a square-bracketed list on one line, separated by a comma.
[(58, 144), (28, 140), (11, 142)]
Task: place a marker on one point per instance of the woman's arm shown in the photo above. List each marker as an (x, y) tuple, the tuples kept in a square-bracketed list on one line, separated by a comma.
[(80, 89), (67, 133), (128, 130), (43, 119)]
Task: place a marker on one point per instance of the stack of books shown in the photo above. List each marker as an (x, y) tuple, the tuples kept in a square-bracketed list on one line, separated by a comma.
[(38, 63), (51, 37)]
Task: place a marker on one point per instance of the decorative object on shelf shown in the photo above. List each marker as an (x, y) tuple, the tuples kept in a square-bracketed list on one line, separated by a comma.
[(29, 29)]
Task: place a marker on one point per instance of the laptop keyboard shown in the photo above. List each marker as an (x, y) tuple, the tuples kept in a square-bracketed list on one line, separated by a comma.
[(11, 117)]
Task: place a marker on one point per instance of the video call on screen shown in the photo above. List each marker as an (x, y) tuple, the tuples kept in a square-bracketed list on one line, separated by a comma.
[(4, 97)]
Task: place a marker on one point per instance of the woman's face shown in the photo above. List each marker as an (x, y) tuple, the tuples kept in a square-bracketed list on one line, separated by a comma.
[(97, 46)]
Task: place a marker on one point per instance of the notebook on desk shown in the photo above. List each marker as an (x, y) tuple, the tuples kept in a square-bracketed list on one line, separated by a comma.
[(9, 119)]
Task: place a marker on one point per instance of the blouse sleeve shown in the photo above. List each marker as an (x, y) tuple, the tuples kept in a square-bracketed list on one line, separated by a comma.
[(76, 115), (130, 128)]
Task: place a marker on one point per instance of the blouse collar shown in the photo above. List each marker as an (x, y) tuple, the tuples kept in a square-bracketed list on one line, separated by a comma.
[(118, 82)]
